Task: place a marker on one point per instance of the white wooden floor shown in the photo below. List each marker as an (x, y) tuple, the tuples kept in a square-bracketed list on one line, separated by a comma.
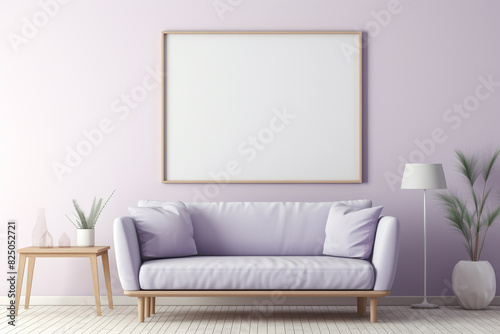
[(252, 319)]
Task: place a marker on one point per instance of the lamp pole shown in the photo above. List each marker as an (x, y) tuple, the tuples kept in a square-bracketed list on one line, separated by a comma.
[(424, 303)]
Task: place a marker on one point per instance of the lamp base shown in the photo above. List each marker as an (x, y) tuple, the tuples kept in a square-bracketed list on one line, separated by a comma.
[(424, 305)]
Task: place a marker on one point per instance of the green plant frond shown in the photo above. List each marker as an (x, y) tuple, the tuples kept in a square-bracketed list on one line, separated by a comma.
[(461, 214), (92, 213), (492, 216), (489, 165), (446, 198), (99, 206), (468, 166), (81, 214), (486, 195), (456, 213), (478, 226), (77, 219), (99, 213), (465, 215), (96, 207), (481, 243), (76, 225), (475, 199), (470, 221), (464, 232)]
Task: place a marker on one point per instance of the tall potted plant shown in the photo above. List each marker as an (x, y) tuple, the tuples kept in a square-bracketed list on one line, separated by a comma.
[(85, 235), (473, 213)]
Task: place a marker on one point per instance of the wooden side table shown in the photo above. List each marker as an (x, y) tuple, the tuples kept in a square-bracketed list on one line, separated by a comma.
[(91, 252)]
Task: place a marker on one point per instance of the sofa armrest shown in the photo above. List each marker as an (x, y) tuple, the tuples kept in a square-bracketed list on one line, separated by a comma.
[(385, 252), (128, 255)]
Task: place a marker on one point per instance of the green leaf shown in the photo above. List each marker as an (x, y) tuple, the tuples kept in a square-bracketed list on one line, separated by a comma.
[(456, 213), (491, 217), (468, 166), (81, 214), (76, 225), (91, 217), (490, 164), (96, 207), (99, 212)]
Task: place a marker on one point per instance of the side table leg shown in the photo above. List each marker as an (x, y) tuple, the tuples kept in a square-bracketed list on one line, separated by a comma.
[(31, 269), (95, 278), (20, 274), (107, 278)]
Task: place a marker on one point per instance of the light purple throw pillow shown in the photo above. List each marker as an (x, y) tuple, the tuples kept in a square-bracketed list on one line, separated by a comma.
[(165, 231), (350, 231)]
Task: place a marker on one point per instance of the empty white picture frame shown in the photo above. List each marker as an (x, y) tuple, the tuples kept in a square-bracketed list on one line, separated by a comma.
[(262, 107)]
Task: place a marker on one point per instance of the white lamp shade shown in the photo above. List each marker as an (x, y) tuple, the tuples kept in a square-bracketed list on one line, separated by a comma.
[(423, 176)]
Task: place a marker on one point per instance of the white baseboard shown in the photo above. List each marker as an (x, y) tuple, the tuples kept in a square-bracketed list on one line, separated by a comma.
[(338, 301)]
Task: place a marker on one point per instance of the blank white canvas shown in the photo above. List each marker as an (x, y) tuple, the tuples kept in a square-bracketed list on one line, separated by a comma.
[(262, 107)]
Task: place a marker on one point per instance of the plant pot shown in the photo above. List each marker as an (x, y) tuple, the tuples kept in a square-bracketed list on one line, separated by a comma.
[(474, 284), (85, 237)]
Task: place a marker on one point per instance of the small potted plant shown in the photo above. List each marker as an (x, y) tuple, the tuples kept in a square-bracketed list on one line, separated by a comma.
[(85, 224), (472, 214)]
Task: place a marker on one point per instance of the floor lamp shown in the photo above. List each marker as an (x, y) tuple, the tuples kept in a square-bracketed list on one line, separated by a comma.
[(424, 176)]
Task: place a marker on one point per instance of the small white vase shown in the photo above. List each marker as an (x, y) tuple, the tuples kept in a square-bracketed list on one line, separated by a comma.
[(40, 229), (64, 241), (46, 240), (474, 284), (85, 237)]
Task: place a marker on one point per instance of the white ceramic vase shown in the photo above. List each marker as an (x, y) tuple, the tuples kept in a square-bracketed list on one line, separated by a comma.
[(85, 237), (40, 229), (474, 284), (64, 241)]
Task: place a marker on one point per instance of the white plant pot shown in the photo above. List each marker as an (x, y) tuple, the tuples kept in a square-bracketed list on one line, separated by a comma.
[(474, 284), (85, 237)]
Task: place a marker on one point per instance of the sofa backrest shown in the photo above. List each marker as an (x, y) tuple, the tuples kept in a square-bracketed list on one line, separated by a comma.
[(260, 228)]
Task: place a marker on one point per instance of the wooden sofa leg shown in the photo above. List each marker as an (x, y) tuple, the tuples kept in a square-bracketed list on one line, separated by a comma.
[(362, 306), (140, 308), (152, 308), (373, 309), (147, 305)]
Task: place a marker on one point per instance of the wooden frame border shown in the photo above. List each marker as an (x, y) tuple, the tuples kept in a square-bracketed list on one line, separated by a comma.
[(163, 118)]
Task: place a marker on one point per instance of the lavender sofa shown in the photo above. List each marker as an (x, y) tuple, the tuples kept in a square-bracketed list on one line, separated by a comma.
[(257, 249)]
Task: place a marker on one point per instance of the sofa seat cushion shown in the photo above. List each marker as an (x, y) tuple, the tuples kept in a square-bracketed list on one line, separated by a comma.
[(257, 273)]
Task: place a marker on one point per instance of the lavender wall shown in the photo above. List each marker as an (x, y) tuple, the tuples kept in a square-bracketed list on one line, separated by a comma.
[(426, 92)]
